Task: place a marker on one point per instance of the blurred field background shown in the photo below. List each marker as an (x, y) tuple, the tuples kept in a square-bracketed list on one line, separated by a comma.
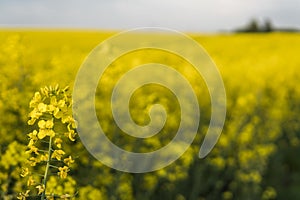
[(256, 156)]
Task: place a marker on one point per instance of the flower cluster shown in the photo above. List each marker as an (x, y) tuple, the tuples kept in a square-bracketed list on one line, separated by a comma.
[(51, 117)]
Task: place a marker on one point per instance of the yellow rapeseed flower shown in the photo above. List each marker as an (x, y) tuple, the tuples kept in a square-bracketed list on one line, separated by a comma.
[(63, 172), (72, 135), (45, 129), (33, 135), (22, 195), (49, 124), (30, 181), (68, 161), (33, 149), (58, 142), (42, 107), (41, 188), (42, 133), (36, 99), (32, 161), (43, 157), (24, 172), (57, 154)]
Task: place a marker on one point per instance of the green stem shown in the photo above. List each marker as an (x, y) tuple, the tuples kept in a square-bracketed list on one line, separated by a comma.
[(53, 166), (47, 168)]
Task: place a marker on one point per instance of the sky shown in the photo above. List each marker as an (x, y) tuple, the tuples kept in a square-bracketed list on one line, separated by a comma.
[(184, 15)]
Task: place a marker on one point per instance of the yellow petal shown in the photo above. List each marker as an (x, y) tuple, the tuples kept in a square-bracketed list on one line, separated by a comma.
[(50, 133), (72, 135), (49, 124), (42, 134), (41, 188), (42, 124), (42, 107), (31, 121)]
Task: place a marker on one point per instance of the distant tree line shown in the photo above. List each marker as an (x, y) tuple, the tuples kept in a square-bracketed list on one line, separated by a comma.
[(255, 27)]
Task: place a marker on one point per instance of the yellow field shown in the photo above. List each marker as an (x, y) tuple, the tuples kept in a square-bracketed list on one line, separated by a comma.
[(256, 156)]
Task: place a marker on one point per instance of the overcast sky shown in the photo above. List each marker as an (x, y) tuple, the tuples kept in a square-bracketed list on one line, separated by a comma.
[(183, 15)]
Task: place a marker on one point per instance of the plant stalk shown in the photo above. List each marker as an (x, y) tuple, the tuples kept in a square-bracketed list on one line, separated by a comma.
[(47, 168)]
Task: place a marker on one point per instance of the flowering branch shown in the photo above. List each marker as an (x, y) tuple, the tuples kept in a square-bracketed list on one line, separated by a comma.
[(52, 116)]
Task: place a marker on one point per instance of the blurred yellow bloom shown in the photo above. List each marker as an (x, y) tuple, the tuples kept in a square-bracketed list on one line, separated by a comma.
[(34, 115), (33, 149), (60, 103), (72, 123), (46, 124), (45, 132), (53, 101), (31, 142), (45, 91), (58, 142), (68, 161), (50, 133), (33, 135), (42, 107), (57, 113), (45, 128), (36, 99), (49, 124), (41, 124), (44, 157), (22, 195), (24, 172), (30, 181), (31, 121), (51, 108), (72, 135), (42, 133), (41, 188), (63, 172), (50, 197), (57, 154), (32, 161)]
